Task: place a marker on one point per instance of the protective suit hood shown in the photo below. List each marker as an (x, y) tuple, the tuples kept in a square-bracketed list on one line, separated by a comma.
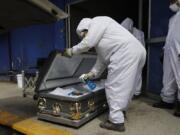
[(128, 24), (174, 7), (83, 25)]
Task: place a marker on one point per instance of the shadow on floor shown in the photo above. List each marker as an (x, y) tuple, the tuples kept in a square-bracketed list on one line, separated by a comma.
[(8, 131), (24, 107)]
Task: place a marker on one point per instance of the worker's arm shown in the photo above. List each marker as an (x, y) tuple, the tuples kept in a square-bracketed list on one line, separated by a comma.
[(98, 68), (94, 35)]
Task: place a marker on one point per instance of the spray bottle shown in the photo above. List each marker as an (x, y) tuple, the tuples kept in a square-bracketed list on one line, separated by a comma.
[(90, 84)]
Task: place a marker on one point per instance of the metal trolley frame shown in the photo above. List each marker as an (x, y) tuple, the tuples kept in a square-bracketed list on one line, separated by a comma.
[(29, 84)]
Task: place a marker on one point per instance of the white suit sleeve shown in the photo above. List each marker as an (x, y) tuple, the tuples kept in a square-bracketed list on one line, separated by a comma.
[(98, 68), (94, 35), (176, 32)]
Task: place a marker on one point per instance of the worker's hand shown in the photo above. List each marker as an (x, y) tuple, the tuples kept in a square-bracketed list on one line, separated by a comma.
[(68, 52), (87, 76)]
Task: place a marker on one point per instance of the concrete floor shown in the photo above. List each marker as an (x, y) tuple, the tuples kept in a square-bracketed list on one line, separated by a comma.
[(142, 119)]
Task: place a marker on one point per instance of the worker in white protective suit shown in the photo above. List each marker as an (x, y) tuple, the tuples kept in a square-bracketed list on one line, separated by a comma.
[(139, 35), (121, 53), (171, 64), (128, 24)]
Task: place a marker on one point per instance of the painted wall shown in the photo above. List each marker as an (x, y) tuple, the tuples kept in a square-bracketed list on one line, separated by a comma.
[(4, 54), (30, 43), (155, 68), (37, 41), (160, 15)]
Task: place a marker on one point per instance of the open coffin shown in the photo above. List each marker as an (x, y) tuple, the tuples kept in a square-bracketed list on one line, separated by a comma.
[(62, 97)]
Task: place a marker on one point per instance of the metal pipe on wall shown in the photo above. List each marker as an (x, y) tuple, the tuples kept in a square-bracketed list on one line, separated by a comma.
[(148, 46), (140, 25), (149, 21), (68, 29), (68, 39)]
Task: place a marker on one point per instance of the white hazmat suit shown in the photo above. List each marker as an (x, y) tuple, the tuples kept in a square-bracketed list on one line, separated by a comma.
[(171, 65), (128, 24), (121, 53), (139, 35)]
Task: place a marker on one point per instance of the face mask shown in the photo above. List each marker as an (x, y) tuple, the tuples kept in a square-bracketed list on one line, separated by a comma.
[(174, 7), (83, 34)]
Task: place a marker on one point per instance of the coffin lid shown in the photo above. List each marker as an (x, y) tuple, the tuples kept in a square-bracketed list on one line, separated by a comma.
[(61, 71)]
